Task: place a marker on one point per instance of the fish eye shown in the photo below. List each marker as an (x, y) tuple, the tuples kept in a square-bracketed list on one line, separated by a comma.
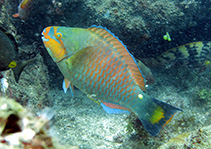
[(12, 64), (58, 35)]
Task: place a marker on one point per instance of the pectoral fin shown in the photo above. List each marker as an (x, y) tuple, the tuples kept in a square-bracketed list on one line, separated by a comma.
[(66, 84), (19, 68)]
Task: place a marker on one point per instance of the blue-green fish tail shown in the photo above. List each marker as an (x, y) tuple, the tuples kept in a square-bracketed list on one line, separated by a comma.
[(156, 119)]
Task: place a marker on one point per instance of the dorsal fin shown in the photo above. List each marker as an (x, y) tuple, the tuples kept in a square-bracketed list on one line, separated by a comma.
[(119, 48)]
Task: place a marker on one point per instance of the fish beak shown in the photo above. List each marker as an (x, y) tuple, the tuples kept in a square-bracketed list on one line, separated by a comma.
[(44, 39), (43, 36)]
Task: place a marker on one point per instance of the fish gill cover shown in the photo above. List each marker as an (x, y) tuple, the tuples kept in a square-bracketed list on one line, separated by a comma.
[(141, 26)]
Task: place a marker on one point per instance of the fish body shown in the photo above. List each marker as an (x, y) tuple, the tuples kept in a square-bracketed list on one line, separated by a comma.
[(23, 9), (99, 64), (192, 55), (8, 50), (9, 55)]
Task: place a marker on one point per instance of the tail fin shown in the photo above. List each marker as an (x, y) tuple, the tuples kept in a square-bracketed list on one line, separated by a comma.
[(19, 68), (159, 117)]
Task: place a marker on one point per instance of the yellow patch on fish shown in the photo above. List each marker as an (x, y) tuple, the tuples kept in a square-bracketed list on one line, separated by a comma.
[(183, 50), (158, 114), (12, 64)]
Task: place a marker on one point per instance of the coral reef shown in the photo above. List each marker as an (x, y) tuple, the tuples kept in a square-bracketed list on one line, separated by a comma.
[(33, 85), (200, 138), (32, 88), (147, 21), (141, 25), (204, 95), (19, 128)]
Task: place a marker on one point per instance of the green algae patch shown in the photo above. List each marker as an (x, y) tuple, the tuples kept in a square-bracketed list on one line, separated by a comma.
[(204, 94)]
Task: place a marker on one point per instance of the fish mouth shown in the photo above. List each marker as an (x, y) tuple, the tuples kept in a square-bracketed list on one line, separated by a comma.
[(43, 38)]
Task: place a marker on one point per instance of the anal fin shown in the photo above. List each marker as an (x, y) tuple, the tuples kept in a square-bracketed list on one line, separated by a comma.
[(112, 108)]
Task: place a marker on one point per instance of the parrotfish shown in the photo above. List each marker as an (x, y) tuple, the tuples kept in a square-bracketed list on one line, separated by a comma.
[(23, 9), (9, 55), (192, 55), (99, 64)]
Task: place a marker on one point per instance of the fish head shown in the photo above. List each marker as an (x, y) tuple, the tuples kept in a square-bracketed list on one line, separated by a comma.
[(63, 42), (53, 40)]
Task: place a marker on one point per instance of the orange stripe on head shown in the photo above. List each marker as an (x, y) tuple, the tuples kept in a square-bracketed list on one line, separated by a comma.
[(45, 32), (54, 44)]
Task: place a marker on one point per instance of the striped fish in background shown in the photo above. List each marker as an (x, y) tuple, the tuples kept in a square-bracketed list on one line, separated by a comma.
[(99, 64), (192, 55)]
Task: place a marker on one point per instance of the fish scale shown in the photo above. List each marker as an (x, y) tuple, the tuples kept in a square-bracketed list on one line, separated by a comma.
[(99, 64), (119, 49), (105, 78)]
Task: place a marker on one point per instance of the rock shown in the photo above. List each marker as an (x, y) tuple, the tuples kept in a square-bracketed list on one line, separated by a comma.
[(200, 138)]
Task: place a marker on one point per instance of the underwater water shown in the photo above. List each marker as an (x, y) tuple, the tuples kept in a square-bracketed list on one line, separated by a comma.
[(170, 37)]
